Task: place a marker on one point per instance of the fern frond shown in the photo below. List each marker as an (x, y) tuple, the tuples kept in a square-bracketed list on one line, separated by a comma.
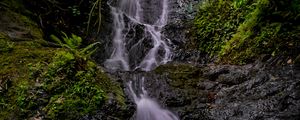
[(84, 50), (56, 39)]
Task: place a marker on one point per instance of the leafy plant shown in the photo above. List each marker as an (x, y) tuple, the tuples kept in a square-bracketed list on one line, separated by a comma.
[(73, 43)]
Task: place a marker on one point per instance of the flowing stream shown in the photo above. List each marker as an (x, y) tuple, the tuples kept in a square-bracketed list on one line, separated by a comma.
[(138, 43)]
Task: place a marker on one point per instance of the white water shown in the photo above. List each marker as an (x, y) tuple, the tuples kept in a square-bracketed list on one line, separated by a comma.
[(152, 15), (119, 57), (148, 109), (139, 15)]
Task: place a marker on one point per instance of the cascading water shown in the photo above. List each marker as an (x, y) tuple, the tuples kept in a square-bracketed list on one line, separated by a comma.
[(151, 15), (119, 57), (136, 14), (148, 109)]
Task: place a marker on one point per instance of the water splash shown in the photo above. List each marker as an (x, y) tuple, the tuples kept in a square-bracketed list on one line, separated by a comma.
[(148, 109)]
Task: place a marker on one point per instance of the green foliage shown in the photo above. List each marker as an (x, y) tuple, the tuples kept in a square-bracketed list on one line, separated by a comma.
[(245, 31), (238, 31), (61, 83), (70, 82), (17, 50), (73, 43), (215, 24), (16, 96), (66, 87)]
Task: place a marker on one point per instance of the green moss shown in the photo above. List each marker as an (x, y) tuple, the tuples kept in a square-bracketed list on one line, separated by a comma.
[(16, 98), (64, 87), (72, 87), (5, 44), (185, 78), (215, 24), (15, 72), (75, 86), (62, 83), (181, 75), (110, 86), (244, 32), (239, 31)]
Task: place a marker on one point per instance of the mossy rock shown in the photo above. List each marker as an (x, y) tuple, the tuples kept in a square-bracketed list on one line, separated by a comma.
[(19, 27), (36, 79), (16, 55), (240, 31), (181, 75), (5, 44), (19, 42)]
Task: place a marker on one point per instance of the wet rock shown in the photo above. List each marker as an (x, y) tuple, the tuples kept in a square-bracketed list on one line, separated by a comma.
[(177, 29), (228, 92), (264, 95), (231, 78)]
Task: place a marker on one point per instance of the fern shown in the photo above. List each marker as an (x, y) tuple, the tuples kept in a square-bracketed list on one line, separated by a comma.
[(73, 43)]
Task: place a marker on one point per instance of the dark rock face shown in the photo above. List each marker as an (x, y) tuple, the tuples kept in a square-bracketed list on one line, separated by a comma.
[(180, 11), (181, 15), (265, 94), (226, 92)]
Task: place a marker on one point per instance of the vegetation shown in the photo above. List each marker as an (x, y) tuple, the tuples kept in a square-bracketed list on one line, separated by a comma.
[(56, 83), (238, 31), (16, 53), (67, 87), (53, 16)]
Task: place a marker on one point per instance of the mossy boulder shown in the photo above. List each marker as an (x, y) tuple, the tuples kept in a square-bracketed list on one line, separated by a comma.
[(38, 81), (75, 87), (19, 41), (181, 75)]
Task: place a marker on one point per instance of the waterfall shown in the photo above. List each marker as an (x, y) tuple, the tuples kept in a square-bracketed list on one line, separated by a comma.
[(128, 14), (138, 43)]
